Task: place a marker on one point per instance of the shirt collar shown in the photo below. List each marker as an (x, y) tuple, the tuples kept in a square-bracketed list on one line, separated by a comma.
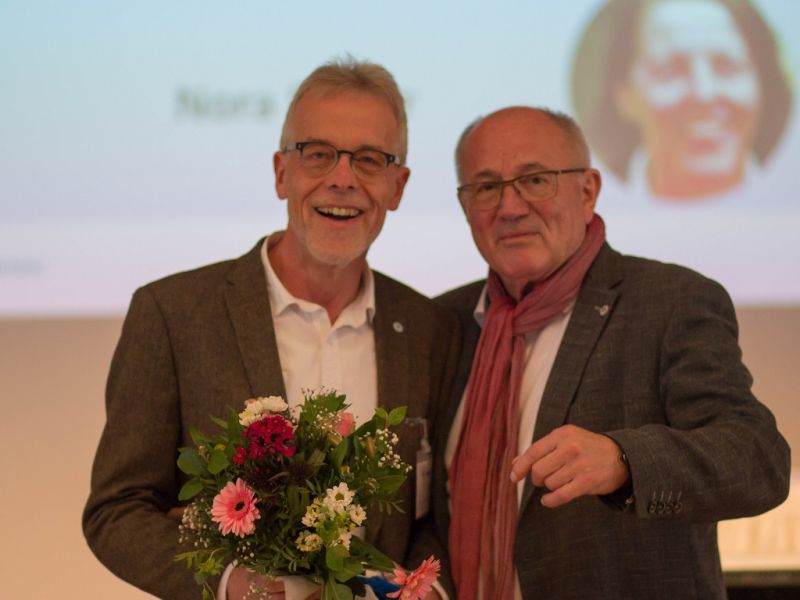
[(480, 309), (359, 312)]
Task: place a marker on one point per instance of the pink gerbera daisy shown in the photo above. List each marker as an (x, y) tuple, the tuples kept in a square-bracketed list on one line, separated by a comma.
[(417, 584), (235, 509)]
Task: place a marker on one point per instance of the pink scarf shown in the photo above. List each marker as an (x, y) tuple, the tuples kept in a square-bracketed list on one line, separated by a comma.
[(484, 501)]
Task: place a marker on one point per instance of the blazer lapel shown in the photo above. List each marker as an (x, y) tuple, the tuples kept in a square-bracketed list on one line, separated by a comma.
[(593, 308), (391, 348), (248, 308), (392, 363)]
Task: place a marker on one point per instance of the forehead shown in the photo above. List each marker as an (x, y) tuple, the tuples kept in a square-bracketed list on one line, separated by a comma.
[(509, 143), (346, 119), (690, 26)]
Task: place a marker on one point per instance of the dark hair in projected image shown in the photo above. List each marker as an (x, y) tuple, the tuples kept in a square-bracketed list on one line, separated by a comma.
[(695, 88)]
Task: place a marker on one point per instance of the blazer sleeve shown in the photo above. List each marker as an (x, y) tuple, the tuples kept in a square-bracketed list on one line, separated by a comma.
[(719, 454), (135, 479), (426, 539)]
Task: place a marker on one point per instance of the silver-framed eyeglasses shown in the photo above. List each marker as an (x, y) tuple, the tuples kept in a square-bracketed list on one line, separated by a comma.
[(531, 187), (320, 158)]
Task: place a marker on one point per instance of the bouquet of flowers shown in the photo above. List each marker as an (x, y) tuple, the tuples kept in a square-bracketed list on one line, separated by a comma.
[(283, 493)]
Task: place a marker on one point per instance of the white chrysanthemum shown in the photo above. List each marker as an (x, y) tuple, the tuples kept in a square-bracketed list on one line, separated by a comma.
[(308, 542), (338, 499), (259, 407), (344, 538), (357, 514), (311, 517)]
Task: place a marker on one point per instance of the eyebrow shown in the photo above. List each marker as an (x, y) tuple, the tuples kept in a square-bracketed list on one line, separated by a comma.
[(362, 147), (520, 170)]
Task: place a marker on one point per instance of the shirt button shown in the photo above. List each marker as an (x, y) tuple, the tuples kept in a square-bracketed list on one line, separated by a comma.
[(398, 326)]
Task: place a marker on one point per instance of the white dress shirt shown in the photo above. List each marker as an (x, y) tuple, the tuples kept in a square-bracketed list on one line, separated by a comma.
[(541, 348), (315, 353)]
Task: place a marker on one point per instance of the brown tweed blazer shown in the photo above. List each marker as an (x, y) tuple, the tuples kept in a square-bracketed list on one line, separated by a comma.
[(197, 342), (650, 357)]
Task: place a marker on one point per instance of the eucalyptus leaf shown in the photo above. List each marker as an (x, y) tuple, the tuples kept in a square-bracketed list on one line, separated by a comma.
[(316, 459), (336, 591), (221, 422), (390, 483), (233, 425), (190, 489), (334, 558), (190, 462), (197, 437), (397, 415), (352, 567), (217, 462), (338, 454), (375, 558)]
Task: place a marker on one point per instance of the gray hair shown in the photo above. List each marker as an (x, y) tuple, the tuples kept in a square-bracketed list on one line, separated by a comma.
[(348, 75)]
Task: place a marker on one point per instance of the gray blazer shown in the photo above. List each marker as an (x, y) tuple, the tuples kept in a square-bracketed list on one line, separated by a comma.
[(650, 357), (197, 342)]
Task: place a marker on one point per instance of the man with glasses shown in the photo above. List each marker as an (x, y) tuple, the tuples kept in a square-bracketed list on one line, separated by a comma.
[(301, 310), (602, 420)]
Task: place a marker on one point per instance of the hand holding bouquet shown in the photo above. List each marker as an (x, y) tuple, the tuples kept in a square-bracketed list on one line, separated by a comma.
[(284, 494)]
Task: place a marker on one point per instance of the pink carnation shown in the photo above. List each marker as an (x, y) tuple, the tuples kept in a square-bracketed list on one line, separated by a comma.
[(417, 584), (235, 509), (345, 424)]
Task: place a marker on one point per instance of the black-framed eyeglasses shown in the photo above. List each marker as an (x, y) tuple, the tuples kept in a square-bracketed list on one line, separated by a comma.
[(531, 187), (320, 158)]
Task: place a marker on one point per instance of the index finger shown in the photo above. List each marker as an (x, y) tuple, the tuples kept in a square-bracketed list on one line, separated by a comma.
[(521, 465)]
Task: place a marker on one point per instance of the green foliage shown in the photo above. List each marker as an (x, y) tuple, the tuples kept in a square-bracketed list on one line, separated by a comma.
[(190, 462), (287, 487), (397, 415), (373, 558), (190, 489), (336, 591), (334, 558), (217, 462), (339, 452)]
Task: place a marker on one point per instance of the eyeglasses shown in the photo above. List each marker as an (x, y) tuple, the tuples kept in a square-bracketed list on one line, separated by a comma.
[(531, 187), (320, 158)]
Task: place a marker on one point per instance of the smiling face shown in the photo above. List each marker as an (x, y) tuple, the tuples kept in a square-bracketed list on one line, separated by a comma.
[(334, 218), (694, 93), (526, 242)]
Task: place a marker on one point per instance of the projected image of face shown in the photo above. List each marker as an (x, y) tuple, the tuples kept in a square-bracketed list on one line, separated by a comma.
[(694, 93), (683, 99)]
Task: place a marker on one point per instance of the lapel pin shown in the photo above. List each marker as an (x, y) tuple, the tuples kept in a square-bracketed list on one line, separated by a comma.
[(602, 310), (397, 326)]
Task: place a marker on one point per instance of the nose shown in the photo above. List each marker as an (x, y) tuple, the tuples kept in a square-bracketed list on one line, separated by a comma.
[(704, 82), (342, 174), (511, 206)]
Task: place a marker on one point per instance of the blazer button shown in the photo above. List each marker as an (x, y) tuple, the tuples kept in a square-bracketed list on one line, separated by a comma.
[(669, 507), (651, 507), (678, 507), (660, 508)]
